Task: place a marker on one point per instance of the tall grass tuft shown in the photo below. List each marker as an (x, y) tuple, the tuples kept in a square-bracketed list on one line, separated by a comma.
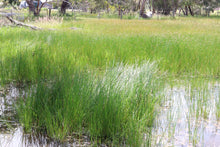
[(116, 107)]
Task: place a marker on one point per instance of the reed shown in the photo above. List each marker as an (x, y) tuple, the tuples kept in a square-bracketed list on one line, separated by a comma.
[(103, 79), (117, 107)]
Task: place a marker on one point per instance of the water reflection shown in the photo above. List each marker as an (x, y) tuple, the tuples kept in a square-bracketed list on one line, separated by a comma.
[(11, 134), (8, 124), (188, 117)]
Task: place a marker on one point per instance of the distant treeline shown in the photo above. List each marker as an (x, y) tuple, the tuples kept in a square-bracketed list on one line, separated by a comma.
[(165, 7)]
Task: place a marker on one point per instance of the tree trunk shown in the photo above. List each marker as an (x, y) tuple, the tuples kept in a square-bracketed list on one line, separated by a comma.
[(186, 11), (119, 11), (174, 9), (64, 6), (180, 11), (49, 13), (190, 10), (31, 6), (107, 8), (22, 24), (32, 9), (37, 11), (183, 11), (142, 8), (139, 3)]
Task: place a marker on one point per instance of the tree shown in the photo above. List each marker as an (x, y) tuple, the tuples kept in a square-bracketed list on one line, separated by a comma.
[(209, 5), (163, 6), (65, 4), (13, 3), (35, 6), (31, 6)]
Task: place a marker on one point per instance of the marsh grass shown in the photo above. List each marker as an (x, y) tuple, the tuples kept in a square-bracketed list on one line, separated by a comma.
[(117, 107), (79, 87), (180, 48)]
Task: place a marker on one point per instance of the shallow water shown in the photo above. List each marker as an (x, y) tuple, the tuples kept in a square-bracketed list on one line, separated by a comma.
[(187, 118), (8, 121), (11, 133)]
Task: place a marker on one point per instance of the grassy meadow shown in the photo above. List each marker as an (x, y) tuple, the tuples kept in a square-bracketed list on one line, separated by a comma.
[(104, 78)]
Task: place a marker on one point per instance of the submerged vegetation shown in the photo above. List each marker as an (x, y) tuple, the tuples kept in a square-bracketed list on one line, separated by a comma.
[(104, 78)]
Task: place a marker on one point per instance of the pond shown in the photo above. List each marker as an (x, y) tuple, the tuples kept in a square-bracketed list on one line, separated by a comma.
[(12, 134), (188, 116)]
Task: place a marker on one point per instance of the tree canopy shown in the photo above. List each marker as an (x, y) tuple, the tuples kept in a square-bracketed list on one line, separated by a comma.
[(188, 7)]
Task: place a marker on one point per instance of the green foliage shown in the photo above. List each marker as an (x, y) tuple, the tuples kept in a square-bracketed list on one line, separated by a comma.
[(185, 54), (12, 2), (118, 106), (79, 86)]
